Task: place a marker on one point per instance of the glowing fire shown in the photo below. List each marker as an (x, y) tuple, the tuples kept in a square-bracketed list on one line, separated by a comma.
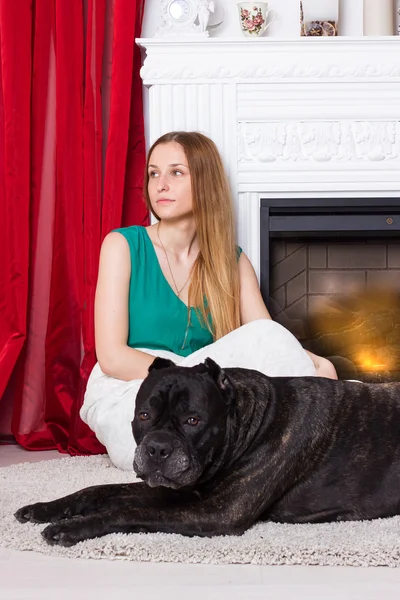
[(363, 328), (368, 363)]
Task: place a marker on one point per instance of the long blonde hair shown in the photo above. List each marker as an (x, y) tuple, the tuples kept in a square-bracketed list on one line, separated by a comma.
[(214, 288)]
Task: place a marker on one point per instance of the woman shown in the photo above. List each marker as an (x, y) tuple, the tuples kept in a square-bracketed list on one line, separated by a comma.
[(182, 289)]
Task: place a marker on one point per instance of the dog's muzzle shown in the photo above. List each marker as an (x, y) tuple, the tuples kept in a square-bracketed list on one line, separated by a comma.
[(161, 459)]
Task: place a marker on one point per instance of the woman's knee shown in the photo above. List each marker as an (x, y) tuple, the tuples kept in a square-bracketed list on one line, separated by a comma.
[(255, 325), (261, 327)]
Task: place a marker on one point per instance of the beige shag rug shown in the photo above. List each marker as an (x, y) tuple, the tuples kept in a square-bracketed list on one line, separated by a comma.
[(367, 543)]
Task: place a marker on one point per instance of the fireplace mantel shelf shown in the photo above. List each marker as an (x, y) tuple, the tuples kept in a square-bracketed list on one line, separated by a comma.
[(229, 59), (247, 43)]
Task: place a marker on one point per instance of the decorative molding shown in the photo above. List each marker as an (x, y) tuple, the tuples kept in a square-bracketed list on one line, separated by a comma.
[(319, 141), (220, 71), (266, 59)]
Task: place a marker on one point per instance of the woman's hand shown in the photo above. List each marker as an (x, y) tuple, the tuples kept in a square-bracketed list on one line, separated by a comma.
[(323, 366)]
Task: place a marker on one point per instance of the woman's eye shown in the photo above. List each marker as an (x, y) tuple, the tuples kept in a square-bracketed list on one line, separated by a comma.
[(152, 174), (193, 421), (144, 416), (176, 172)]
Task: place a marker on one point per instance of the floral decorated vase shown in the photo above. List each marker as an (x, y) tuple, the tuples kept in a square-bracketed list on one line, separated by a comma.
[(254, 18)]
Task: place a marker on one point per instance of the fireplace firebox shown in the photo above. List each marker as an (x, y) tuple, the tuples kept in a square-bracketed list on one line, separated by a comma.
[(330, 273)]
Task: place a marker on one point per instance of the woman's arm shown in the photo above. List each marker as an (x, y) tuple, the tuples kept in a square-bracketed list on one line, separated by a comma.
[(252, 307), (115, 357)]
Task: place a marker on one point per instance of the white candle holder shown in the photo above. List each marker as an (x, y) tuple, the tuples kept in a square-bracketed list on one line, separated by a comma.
[(378, 17)]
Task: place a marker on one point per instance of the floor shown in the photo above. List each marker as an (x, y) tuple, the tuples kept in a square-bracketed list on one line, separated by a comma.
[(32, 576)]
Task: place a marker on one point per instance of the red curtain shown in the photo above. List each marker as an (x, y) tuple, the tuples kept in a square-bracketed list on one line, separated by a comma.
[(72, 157)]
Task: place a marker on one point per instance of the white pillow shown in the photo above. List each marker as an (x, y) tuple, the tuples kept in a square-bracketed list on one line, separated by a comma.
[(263, 345)]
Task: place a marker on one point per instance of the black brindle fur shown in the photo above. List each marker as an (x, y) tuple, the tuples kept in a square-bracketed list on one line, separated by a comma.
[(219, 450)]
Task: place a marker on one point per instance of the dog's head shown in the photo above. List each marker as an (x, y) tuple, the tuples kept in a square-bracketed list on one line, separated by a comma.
[(180, 422)]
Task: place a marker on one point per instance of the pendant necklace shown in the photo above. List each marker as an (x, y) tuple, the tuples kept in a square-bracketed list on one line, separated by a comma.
[(178, 292)]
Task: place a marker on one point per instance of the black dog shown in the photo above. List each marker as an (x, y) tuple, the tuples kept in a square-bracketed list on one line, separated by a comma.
[(221, 449)]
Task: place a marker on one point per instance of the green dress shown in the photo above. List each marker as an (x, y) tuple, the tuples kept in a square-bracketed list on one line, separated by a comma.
[(158, 319)]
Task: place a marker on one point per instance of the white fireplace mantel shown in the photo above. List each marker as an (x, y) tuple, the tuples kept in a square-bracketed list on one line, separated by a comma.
[(311, 116)]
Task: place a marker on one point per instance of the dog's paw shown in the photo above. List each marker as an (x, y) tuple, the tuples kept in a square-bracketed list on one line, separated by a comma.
[(32, 513), (44, 512), (62, 534)]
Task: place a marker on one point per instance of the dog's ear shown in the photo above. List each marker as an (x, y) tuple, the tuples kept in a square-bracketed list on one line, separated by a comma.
[(221, 378), (161, 363)]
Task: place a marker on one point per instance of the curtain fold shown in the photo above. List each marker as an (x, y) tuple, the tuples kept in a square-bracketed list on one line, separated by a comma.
[(58, 145), (15, 84)]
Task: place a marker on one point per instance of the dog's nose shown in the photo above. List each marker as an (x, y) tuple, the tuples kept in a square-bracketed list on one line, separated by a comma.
[(159, 450)]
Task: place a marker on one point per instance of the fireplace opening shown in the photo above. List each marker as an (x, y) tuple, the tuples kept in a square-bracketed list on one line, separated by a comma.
[(330, 273)]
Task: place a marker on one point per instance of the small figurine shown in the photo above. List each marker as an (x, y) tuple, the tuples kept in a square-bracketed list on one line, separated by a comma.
[(204, 7)]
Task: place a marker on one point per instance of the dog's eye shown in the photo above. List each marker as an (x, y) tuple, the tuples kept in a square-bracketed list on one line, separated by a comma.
[(144, 416), (193, 421)]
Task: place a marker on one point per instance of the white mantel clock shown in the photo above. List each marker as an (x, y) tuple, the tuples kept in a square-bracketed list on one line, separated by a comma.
[(185, 18)]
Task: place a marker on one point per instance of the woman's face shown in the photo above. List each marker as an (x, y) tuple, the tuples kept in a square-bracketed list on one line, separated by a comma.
[(170, 187)]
